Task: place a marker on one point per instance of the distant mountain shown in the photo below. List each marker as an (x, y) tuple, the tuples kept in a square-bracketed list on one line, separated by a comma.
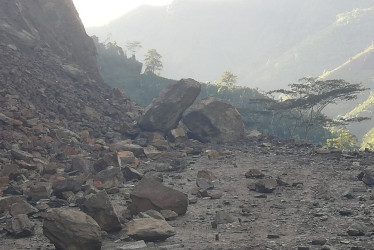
[(268, 44)]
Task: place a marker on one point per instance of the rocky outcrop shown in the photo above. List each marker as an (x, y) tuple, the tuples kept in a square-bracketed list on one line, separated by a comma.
[(214, 120), (165, 111), (72, 229)]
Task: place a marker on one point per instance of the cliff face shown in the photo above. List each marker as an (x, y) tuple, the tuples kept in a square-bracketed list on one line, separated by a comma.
[(49, 75), (32, 25)]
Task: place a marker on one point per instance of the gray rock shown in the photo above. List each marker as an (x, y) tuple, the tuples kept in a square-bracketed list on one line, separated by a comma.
[(223, 217), (65, 185), (20, 226), (109, 159), (110, 177), (166, 110), (72, 229), (99, 207), (214, 120), (137, 150), (266, 185), (7, 202), (22, 207), (21, 155), (39, 190), (357, 229), (131, 174)]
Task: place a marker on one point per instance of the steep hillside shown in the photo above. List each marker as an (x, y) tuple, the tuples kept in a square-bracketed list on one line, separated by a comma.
[(49, 74), (268, 44), (358, 68)]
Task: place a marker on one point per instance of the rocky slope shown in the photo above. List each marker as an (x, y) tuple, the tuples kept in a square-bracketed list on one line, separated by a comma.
[(49, 77), (77, 173)]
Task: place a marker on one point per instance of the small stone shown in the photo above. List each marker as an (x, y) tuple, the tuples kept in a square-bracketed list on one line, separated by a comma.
[(169, 214), (266, 186), (319, 242), (254, 173), (133, 245)]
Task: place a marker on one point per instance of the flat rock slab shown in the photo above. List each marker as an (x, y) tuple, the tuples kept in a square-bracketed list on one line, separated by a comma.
[(149, 229)]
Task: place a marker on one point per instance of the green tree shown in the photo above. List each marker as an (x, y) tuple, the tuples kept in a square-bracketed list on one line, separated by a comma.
[(307, 100), (229, 79), (343, 140), (133, 46), (153, 62)]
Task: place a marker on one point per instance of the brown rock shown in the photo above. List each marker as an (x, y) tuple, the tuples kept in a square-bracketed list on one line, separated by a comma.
[(149, 229), (72, 229), (151, 194)]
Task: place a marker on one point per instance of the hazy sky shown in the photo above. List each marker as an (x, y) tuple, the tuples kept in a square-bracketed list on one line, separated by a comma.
[(99, 12)]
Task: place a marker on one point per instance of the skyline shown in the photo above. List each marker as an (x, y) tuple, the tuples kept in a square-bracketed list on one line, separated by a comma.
[(99, 12)]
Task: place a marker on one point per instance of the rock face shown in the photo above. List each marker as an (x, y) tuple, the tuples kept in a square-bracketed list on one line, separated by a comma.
[(214, 120), (72, 229), (150, 194), (165, 111)]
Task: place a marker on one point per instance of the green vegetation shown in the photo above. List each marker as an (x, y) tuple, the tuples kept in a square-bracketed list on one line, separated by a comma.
[(343, 140), (308, 98), (153, 62), (299, 116), (228, 79)]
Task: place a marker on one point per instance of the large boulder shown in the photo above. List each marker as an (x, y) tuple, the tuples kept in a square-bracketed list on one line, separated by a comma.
[(214, 120), (151, 194), (99, 207), (166, 109), (72, 229)]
